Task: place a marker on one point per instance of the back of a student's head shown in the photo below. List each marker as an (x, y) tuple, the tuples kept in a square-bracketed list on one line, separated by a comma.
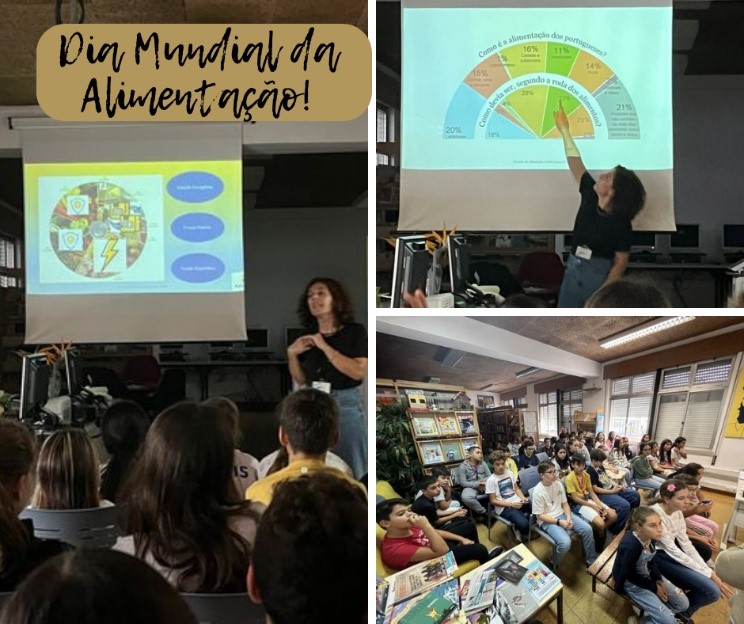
[(88, 586), (310, 554), (124, 426), (67, 472), (309, 420), (628, 293), (17, 455), (228, 411)]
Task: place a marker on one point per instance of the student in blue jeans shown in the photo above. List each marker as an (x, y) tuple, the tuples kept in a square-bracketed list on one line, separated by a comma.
[(550, 504), (637, 574), (615, 496)]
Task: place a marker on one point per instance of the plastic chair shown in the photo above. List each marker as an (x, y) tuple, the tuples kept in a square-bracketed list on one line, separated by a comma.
[(540, 273), (83, 528), (225, 608), (493, 518), (543, 457)]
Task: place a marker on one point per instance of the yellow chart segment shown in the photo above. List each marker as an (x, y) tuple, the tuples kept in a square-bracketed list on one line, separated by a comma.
[(528, 105), (528, 58)]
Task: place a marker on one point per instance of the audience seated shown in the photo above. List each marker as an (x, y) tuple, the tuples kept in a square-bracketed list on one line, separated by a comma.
[(472, 475), (20, 551), (310, 556), (456, 522), (185, 516), (67, 473), (308, 427), (90, 586), (628, 292), (245, 468), (124, 426)]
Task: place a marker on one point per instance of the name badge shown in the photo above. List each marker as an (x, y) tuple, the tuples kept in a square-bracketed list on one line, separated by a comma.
[(584, 252), (325, 386)]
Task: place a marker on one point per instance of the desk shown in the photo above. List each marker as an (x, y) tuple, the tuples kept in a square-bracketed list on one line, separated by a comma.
[(205, 367), (719, 273), (527, 558)]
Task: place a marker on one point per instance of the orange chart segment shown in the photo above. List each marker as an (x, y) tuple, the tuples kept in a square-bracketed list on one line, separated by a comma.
[(487, 76), (528, 58), (528, 104), (590, 72)]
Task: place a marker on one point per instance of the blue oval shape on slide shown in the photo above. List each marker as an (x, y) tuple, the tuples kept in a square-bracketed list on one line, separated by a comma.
[(197, 268), (197, 227), (195, 186)]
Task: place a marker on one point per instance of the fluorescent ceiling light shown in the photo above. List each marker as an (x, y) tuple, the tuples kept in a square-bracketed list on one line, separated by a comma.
[(644, 330), (527, 371)]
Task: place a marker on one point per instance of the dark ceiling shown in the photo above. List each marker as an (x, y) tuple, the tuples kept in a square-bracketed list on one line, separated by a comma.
[(413, 360), (717, 48)]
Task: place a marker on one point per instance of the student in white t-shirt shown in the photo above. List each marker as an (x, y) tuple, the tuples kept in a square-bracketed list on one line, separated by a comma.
[(507, 499), (550, 505)]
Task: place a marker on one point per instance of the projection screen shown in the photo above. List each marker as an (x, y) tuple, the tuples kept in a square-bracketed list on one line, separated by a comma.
[(133, 233), (480, 83)]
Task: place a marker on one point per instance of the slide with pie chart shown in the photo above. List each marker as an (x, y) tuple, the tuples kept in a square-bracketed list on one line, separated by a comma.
[(480, 86), (145, 227)]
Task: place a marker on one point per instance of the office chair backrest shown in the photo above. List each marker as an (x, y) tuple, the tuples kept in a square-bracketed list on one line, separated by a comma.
[(542, 457), (528, 478), (541, 267), (143, 370), (225, 608), (83, 528)]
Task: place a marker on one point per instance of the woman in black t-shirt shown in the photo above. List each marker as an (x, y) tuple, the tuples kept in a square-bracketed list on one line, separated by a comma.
[(332, 356), (602, 232)]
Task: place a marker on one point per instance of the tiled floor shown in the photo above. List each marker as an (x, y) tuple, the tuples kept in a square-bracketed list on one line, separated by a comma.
[(580, 605)]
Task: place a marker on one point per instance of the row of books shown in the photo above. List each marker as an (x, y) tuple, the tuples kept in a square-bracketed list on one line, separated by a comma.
[(505, 592)]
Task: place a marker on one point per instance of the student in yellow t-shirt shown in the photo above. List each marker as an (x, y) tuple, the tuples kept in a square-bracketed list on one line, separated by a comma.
[(584, 501), (308, 428)]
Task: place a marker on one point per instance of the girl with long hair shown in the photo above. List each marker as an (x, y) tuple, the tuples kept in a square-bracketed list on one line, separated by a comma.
[(560, 460), (636, 572), (646, 437), (599, 441), (20, 551), (332, 356), (124, 426), (665, 454), (185, 515), (679, 455), (678, 560), (67, 473)]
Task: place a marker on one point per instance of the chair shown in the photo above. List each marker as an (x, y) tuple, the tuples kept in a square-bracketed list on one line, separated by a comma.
[(141, 372), (493, 516), (491, 273), (543, 457), (83, 528), (540, 273), (225, 608)]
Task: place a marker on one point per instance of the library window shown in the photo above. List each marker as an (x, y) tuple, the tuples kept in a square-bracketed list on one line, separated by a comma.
[(571, 400), (631, 399), (9, 252), (384, 132), (690, 402), (547, 412)]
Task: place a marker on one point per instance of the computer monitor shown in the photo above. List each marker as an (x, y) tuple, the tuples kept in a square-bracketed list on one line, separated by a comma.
[(292, 333), (458, 251), (733, 237), (73, 371), (686, 238), (643, 241), (35, 375), (411, 264)]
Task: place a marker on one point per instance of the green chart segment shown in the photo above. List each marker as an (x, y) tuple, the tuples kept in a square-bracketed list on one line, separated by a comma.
[(527, 111)]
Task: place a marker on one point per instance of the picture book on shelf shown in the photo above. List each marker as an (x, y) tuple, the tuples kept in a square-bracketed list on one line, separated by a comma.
[(448, 589), (420, 578), (448, 424)]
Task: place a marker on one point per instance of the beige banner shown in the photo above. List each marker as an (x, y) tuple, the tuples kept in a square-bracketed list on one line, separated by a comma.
[(203, 72)]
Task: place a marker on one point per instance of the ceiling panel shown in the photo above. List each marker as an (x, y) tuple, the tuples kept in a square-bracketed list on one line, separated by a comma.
[(401, 358)]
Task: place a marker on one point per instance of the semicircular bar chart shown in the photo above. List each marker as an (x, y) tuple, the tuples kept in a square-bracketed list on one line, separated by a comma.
[(514, 92)]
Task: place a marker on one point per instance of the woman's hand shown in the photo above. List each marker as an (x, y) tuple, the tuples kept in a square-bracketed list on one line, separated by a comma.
[(561, 120), (661, 591), (302, 344)]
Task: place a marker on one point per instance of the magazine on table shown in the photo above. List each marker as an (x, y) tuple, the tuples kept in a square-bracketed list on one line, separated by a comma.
[(510, 571), (429, 608), (420, 578), (479, 591), (539, 580), (448, 589)]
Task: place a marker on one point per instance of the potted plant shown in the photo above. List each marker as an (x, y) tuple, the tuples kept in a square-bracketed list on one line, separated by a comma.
[(397, 461)]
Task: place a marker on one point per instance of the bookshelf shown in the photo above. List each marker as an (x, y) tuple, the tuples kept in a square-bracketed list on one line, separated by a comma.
[(499, 425), (443, 436)]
